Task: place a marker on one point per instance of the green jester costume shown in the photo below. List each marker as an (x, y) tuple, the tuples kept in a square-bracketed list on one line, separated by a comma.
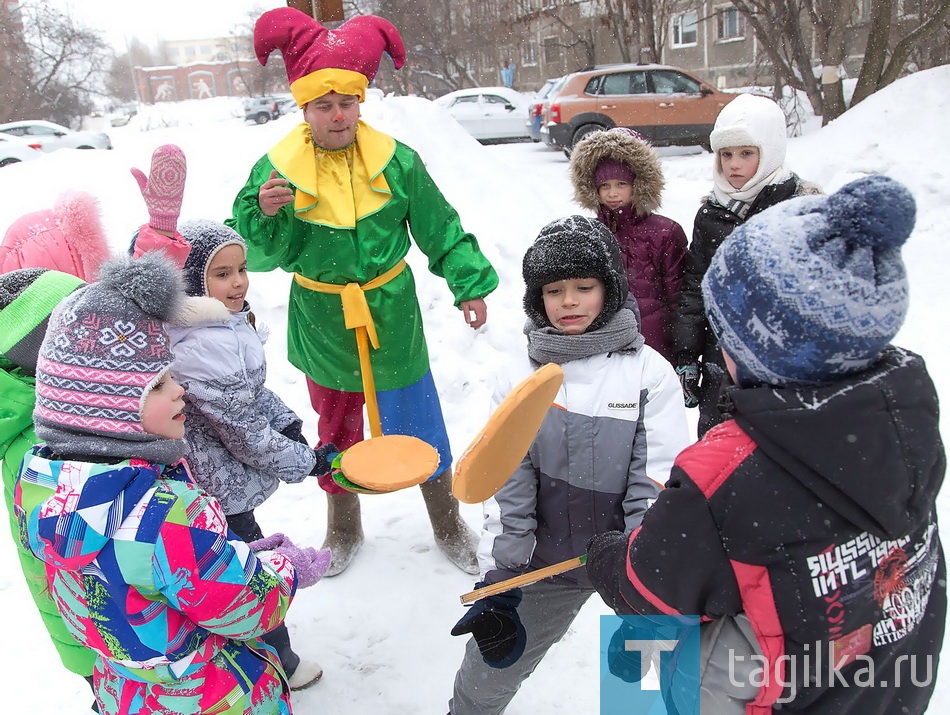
[(344, 235)]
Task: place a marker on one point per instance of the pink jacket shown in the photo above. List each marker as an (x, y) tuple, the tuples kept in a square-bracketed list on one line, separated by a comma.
[(67, 238)]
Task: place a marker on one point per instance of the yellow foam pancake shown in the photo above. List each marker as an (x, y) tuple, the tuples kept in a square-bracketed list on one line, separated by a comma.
[(389, 462), (498, 449)]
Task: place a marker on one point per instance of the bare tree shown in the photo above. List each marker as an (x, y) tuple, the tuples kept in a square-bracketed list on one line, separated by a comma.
[(784, 29), (884, 62), (53, 65), (120, 80)]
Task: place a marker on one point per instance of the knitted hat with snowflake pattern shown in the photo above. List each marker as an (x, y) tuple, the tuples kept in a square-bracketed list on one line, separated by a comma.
[(105, 349), (813, 288)]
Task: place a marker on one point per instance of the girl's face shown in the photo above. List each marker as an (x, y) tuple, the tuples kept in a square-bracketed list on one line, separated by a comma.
[(739, 164), (227, 277), (572, 305), (615, 193), (162, 409)]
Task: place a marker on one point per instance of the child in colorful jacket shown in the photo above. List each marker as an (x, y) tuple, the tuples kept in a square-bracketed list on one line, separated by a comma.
[(750, 175), (618, 176), (803, 530), (339, 204), (605, 448), (139, 559), (243, 439)]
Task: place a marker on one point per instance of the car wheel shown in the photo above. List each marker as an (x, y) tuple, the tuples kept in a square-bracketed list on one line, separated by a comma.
[(84, 146), (6, 162), (262, 118), (583, 131)]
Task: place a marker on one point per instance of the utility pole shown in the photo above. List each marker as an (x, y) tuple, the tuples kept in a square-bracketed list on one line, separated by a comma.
[(322, 10)]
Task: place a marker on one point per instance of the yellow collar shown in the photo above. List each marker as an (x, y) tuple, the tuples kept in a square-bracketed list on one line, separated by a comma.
[(335, 188)]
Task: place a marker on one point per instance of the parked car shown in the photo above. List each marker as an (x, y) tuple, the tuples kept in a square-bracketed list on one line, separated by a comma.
[(488, 113), (50, 137), (262, 109), (13, 150), (536, 107), (666, 105)]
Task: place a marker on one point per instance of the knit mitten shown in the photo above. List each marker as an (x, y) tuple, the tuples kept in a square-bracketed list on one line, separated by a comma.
[(309, 563), (164, 187), (688, 373)]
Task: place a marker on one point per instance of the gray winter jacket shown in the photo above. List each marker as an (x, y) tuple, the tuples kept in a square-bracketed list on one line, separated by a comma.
[(233, 422), (604, 451)]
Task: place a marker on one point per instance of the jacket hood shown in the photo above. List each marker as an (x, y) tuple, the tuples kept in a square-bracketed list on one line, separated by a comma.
[(201, 310), (868, 447), (620, 146), (74, 508)]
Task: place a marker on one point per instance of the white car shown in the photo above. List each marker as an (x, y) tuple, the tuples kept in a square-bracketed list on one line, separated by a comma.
[(13, 150), (50, 137), (488, 113)]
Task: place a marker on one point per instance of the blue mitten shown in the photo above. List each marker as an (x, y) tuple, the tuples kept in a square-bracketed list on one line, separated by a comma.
[(688, 373), (325, 456), (626, 664), (494, 623)]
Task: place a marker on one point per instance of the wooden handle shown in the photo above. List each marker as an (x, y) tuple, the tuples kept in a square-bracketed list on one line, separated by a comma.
[(523, 580)]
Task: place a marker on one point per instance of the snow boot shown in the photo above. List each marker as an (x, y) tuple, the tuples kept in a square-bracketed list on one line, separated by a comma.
[(344, 530), (452, 535)]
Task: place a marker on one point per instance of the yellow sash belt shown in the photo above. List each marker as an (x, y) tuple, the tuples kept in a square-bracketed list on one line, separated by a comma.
[(356, 316)]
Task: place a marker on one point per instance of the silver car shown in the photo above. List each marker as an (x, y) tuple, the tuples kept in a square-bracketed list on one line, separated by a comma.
[(50, 137)]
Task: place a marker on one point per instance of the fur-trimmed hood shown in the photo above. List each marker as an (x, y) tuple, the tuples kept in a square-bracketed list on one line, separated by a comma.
[(624, 146)]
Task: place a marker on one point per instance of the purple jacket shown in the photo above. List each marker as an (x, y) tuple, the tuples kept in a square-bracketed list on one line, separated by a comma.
[(653, 248)]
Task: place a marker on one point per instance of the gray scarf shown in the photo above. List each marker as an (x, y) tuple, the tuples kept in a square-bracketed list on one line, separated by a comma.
[(67, 442), (547, 344)]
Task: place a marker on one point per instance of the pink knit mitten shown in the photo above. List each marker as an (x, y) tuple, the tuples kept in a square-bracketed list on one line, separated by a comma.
[(164, 187)]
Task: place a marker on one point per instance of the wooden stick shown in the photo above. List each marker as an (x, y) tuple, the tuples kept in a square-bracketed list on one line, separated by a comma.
[(522, 580)]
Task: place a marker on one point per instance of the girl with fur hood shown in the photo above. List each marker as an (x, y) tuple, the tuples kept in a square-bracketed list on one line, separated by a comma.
[(244, 440), (618, 176), (750, 175)]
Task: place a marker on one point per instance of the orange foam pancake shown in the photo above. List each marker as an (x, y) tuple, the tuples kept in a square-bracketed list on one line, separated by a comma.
[(389, 462)]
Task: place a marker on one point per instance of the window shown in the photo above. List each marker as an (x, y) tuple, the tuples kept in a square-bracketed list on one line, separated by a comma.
[(861, 11), (189, 52), (624, 83), (470, 99), (530, 54), (670, 82), (684, 29), (494, 99), (206, 49), (552, 50), (730, 25)]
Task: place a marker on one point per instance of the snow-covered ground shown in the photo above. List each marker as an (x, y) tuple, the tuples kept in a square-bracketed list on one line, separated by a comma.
[(381, 630)]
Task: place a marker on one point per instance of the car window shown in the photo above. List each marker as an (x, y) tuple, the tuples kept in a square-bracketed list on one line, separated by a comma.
[(38, 130), (16, 131), (593, 85), (470, 99), (495, 99), (624, 83), (670, 82)]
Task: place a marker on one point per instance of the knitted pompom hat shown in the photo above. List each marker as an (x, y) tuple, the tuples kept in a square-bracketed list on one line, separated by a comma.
[(104, 350), (318, 60), (27, 297), (813, 288), (574, 247), (206, 239)]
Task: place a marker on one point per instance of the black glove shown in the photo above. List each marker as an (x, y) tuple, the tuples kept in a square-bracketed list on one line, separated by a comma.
[(688, 373), (626, 664), (607, 565), (294, 431), (325, 456), (497, 629)]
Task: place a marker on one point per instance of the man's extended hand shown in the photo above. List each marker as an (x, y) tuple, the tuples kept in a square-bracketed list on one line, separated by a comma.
[(274, 194), (475, 312)]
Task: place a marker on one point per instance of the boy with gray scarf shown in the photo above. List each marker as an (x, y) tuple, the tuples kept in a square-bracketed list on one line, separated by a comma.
[(604, 451)]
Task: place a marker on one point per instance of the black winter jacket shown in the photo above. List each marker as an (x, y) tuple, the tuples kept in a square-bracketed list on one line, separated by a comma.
[(812, 512), (692, 337)]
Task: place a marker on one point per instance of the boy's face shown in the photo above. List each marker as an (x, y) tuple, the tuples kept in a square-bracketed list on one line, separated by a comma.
[(333, 119), (162, 409), (730, 366), (572, 305), (615, 193), (739, 164), (227, 277)]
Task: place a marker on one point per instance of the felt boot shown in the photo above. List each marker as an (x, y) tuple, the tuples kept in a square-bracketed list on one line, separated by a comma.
[(344, 530), (452, 535)]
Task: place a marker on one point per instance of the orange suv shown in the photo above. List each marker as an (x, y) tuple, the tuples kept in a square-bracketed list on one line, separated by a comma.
[(666, 105)]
